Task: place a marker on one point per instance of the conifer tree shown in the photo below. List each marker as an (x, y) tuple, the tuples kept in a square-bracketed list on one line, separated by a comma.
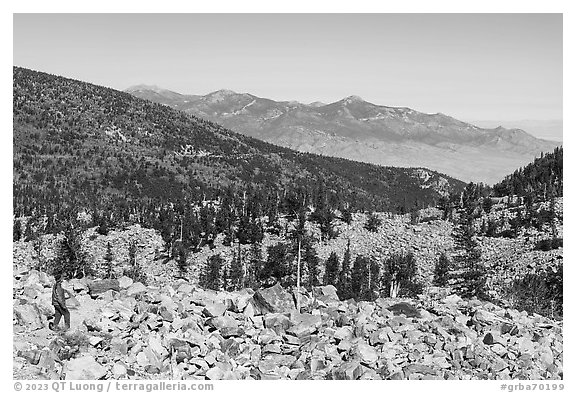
[(182, 257), (237, 271), (135, 271), (109, 258), (254, 266), (358, 277), (472, 279), (347, 215), (29, 234), (399, 272), (373, 222), (71, 259), (212, 274), (312, 263), (332, 270), (16, 230), (441, 270), (344, 278), (277, 266)]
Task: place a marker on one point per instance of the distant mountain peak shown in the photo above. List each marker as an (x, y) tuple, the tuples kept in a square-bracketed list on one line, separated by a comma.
[(224, 92), (220, 95), (352, 99), (359, 130), (144, 87)]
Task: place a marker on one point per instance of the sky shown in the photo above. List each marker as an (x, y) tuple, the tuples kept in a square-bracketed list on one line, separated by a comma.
[(470, 66)]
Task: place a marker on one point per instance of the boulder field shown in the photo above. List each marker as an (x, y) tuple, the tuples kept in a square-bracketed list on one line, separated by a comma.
[(126, 330)]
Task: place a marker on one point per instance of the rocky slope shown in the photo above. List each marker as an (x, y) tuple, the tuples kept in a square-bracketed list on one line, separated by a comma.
[(358, 130), (507, 258), (125, 330), (173, 329)]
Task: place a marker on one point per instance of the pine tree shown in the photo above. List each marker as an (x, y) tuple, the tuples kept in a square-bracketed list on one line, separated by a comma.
[(109, 258), (347, 215), (244, 232), (332, 270), (487, 205), (359, 277), (135, 272), (29, 233), (312, 263), (399, 272), (254, 266), (344, 278), (182, 257), (277, 268), (16, 230), (491, 228), (237, 271), (373, 222), (552, 216), (473, 274), (211, 276), (103, 223), (441, 270), (71, 259)]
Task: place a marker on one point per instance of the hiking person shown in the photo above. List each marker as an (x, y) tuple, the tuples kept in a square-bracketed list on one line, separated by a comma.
[(59, 303)]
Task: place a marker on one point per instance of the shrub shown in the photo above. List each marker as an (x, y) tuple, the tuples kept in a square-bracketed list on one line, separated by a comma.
[(508, 234), (539, 292), (373, 222)]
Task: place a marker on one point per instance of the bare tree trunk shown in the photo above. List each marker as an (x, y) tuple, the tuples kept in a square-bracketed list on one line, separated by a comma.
[(394, 288)]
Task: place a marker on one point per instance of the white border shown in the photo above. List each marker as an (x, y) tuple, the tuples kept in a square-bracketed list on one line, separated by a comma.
[(299, 6)]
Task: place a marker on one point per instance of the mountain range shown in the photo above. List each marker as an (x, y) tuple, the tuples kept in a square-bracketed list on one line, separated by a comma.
[(362, 131), (78, 144)]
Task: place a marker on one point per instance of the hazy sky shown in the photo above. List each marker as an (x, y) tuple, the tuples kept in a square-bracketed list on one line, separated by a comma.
[(470, 66)]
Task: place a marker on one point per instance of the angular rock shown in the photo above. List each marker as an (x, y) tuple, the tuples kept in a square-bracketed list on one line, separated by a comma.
[(350, 370), (227, 332), (136, 289), (222, 322), (28, 315), (344, 333), (230, 347), (406, 309), (365, 353), (124, 282), (280, 359), (85, 367), (32, 356), (185, 288), (119, 370), (214, 309), (488, 339), (277, 322), (452, 299), (275, 299), (98, 287)]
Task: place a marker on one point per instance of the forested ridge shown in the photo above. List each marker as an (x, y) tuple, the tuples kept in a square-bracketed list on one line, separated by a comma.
[(542, 178), (81, 147)]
